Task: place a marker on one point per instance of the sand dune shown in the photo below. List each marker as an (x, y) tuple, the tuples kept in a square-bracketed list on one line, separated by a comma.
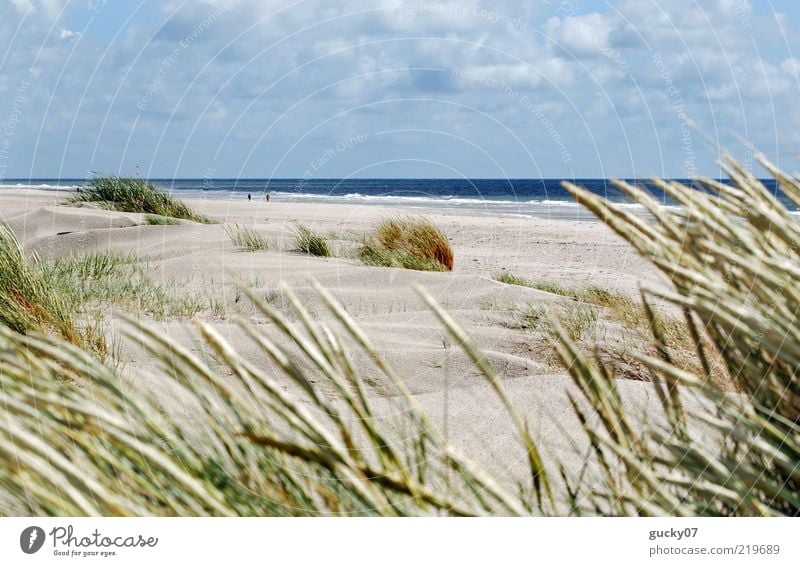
[(201, 260)]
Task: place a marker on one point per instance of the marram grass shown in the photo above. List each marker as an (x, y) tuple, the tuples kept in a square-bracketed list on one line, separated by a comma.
[(309, 242), (29, 301), (592, 304), (93, 444), (127, 194), (411, 243), (157, 220), (247, 238)]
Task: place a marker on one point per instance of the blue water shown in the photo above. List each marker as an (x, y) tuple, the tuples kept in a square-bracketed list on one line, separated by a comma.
[(520, 197)]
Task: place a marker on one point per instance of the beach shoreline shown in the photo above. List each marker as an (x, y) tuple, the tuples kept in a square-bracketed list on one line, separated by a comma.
[(565, 251)]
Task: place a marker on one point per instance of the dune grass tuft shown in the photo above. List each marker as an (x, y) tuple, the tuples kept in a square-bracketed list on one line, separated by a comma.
[(127, 194), (28, 300), (410, 243), (157, 220), (247, 238), (309, 242), (589, 294)]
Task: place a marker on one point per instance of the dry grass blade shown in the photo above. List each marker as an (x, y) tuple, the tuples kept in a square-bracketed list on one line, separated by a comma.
[(733, 263)]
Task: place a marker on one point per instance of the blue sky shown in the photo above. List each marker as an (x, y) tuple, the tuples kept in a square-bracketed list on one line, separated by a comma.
[(333, 88)]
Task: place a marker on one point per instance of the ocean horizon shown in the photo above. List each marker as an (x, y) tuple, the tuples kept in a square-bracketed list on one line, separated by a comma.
[(533, 198)]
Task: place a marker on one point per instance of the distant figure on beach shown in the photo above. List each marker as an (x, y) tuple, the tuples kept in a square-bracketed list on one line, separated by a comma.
[(266, 196), (249, 198)]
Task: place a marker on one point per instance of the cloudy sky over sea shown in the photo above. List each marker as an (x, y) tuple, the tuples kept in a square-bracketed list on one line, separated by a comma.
[(334, 88)]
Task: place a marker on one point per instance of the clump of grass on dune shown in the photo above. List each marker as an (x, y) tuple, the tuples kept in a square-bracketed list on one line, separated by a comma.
[(578, 319), (127, 194), (28, 300), (156, 220), (247, 238), (309, 242), (411, 243)]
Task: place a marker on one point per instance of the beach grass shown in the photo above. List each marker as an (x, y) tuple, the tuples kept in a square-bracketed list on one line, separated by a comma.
[(126, 194), (590, 294), (598, 304), (157, 220), (729, 254), (578, 320), (106, 279), (277, 459), (312, 443), (29, 302), (309, 242), (247, 238), (410, 243)]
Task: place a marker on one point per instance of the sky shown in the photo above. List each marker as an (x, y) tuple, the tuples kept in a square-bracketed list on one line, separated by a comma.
[(335, 88)]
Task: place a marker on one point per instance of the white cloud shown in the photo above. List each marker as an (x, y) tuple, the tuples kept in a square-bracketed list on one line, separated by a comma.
[(581, 35), (242, 81), (68, 34)]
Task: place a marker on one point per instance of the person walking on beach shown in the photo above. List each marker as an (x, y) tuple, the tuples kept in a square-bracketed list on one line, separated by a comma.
[(266, 196), (249, 198)]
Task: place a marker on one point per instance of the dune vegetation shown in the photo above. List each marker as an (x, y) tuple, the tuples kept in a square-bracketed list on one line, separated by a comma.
[(309, 242), (64, 297), (247, 238), (29, 302), (410, 243), (594, 307), (127, 194), (87, 446), (588, 294), (89, 282), (156, 220)]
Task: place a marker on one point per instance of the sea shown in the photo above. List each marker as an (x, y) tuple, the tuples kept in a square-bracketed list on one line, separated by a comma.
[(525, 198)]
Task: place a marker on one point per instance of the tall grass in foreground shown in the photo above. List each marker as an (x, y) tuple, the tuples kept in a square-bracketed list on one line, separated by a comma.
[(252, 447), (257, 447), (734, 261), (135, 195), (411, 243)]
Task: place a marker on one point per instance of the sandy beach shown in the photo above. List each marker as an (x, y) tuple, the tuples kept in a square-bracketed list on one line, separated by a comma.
[(201, 261)]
